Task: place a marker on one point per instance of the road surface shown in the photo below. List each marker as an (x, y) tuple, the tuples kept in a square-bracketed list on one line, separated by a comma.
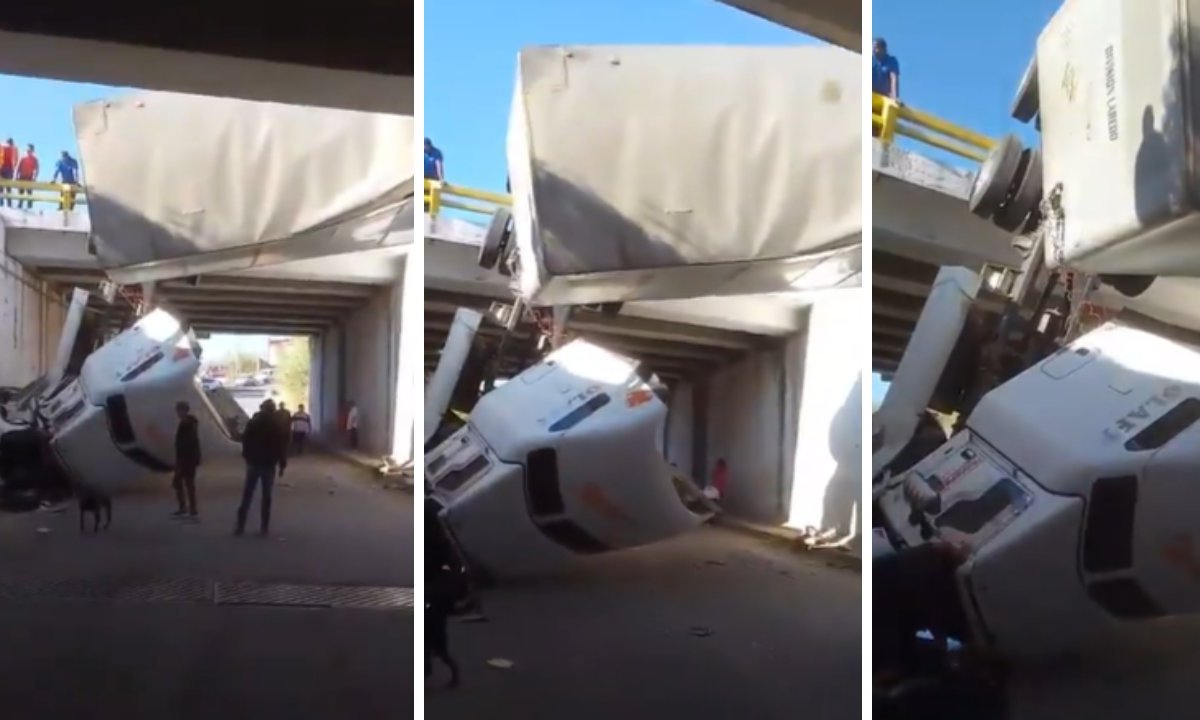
[(133, 623), (710, 625)]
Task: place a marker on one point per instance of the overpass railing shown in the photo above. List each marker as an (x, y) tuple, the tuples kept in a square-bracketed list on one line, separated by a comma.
[(441, 195), (890, 118), (30, 195)]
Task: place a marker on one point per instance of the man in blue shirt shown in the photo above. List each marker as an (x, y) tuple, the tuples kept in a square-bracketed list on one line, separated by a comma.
[(434, 167), (885, 71), (68, 169)]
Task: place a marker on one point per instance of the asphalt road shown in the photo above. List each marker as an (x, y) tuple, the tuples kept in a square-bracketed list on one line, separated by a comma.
[(710, 625), (83, 650)]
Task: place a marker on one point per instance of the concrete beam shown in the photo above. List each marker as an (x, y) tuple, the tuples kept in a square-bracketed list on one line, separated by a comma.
[(219, 283), (835, 21), (295, 312), (919, 210), (320, 303), (359, 57), (436, 329), (902, 286), (254, 330), (895, 313)]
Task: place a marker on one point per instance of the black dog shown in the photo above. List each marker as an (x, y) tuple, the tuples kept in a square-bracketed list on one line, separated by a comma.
[(94, 502)]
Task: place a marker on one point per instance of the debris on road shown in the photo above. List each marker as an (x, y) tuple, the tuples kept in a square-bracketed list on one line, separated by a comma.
[(714, 562), (43, 530), (701, 631), (501, 663)]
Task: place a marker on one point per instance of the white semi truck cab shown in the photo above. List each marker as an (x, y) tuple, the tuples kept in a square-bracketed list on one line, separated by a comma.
[(113, 424), (562, 461)]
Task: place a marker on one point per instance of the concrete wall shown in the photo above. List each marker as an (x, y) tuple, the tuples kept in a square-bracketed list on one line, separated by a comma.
[(408, 333), (31, 319), (363, 360), (745, 427), (368, 371), (680, 419), (788, 422), (826, 464), (327, 384)]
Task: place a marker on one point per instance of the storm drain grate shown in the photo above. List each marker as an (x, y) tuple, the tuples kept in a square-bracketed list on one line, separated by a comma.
[(109, 590), (325, 596), (207, 591)]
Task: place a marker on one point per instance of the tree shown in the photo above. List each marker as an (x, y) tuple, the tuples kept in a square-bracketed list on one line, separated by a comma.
[(292, 375), (242, 363)]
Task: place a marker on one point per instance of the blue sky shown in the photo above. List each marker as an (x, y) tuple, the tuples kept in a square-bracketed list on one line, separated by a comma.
[(962, 60), (471, 48), (39, 112)]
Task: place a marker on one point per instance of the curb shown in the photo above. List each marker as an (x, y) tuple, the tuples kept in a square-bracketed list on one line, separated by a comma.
[(792, 541), (401, 480)]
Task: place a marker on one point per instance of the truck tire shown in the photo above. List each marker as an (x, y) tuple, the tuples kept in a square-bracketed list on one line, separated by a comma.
[(496, 240), (995, 177)]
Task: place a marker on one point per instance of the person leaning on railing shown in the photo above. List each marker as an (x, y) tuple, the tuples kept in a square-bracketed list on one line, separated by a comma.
[(67, 170), (885, 75), (885, 71)]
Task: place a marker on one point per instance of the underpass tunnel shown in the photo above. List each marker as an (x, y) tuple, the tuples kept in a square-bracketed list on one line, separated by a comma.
[(354, 328)]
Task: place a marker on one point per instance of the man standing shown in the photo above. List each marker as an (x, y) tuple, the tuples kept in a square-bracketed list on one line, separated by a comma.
[(8, 167), (435, 167), (27, 171), (352, 425), (262, 447), (885, 71), (187, 459), (301, 427), (67, 169), (284, 420)]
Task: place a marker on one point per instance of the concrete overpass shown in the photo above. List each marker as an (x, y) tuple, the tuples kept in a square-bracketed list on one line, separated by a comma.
[(350, 306), (920, 221), (835, 21), (358, 55)]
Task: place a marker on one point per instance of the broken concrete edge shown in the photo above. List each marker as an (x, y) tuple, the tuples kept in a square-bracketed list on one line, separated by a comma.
[(792, 540)]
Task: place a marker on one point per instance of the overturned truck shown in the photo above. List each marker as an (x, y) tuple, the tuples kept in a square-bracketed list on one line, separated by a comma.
[(104, 420)]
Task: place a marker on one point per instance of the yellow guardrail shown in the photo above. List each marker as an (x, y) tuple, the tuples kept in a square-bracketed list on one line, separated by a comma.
[(26, 194), (890, 118), (439, 195)]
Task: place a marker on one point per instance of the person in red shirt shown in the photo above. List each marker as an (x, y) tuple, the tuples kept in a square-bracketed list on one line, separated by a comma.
[(8, 166), (27, 171)]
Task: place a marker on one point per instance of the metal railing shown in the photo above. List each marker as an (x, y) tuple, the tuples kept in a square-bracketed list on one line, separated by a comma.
[(441, 195), (31, 194), (890, 118)]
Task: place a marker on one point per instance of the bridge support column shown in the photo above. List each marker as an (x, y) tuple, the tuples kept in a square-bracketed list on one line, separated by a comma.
[(408, 312), (826, 493)]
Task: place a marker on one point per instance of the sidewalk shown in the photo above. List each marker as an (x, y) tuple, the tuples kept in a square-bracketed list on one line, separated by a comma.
[(791, 539), (392, 477)]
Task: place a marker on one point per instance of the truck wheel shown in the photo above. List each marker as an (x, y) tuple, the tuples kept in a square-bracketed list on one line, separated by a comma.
[(1025, 104), (1028, 194), (995, 177), (496, 239)]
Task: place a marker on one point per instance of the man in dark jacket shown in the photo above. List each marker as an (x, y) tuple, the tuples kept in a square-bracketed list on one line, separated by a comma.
[(262, 449), (444, 587), (187, 459)]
